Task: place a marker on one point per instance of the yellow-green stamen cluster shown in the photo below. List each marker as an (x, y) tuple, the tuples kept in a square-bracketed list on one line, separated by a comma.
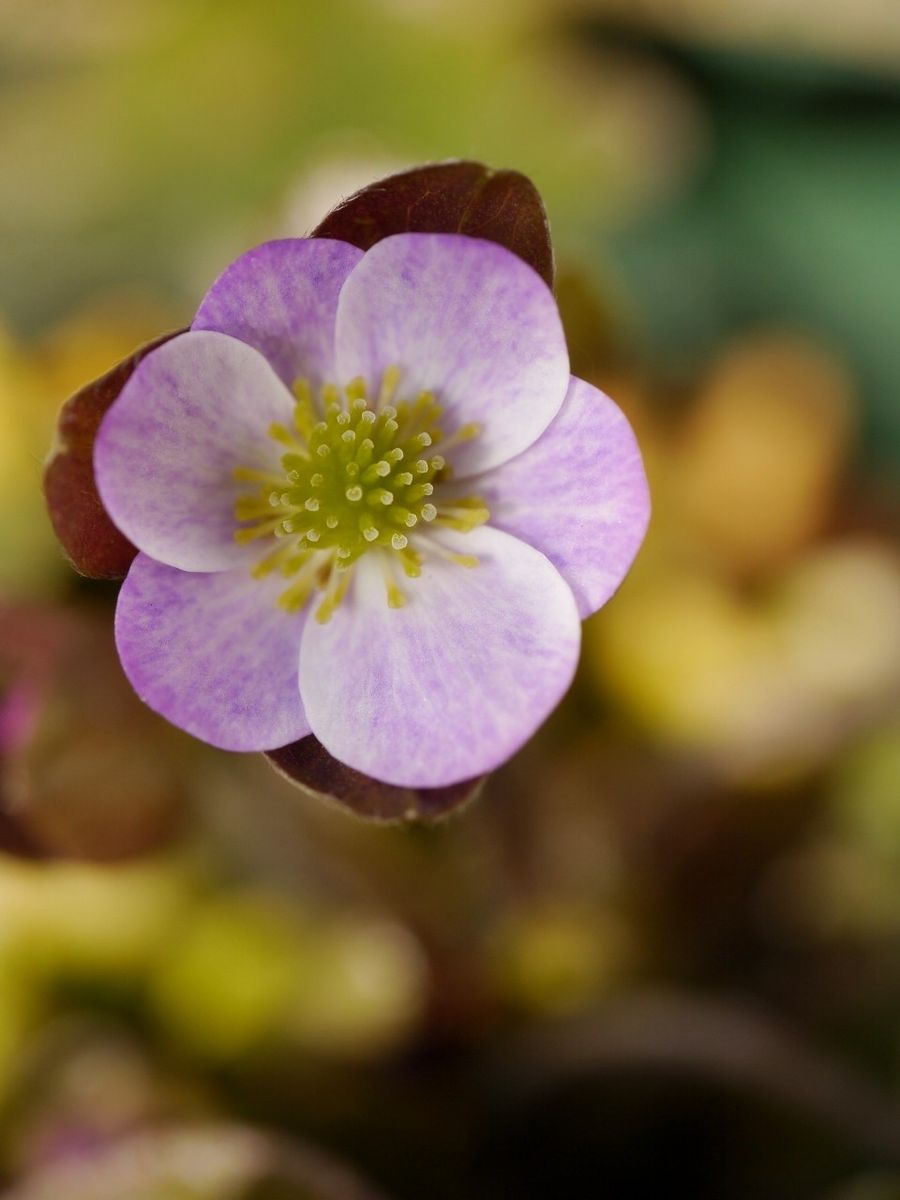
[(356, 477)]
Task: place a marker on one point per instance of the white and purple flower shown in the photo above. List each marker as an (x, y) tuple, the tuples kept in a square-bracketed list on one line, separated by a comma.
[(371, 503)]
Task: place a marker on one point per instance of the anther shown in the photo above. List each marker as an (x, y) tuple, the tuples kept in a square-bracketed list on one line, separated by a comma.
[(354, 493), (428, 512), (367, 527), (420, 490), (378, 470)]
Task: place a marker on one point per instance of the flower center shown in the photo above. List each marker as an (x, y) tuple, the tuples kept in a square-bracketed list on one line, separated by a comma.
[(357, 477)]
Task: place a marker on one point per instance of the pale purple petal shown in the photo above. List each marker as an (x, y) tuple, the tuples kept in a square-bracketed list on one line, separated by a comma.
[(579, 494), (451, 685), (281, 298), (213, 653), (466, 319), (195, 409)]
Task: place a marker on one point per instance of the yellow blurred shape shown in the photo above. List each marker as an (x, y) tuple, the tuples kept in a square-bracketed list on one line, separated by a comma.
[(68, 919), (226, 981), (90, 341), (758, 457), (34, 383), (247, 970), (764, 683), (360, 987), (839, 624), (866, 796), (558, 958), (28, 554), (683, 653)]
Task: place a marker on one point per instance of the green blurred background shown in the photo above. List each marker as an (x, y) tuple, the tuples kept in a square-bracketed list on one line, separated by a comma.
[(662, 952)]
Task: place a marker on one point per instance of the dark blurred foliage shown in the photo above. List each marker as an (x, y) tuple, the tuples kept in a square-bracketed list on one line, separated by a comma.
[(661, 951)]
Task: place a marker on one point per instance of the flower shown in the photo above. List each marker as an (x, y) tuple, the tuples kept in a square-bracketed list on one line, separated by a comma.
[(371, 504)]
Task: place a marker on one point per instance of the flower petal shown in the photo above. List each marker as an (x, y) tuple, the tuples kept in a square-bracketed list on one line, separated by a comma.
[(213, 653), (449, 686), (194, 409), (579, 495), (281, 298), (467, 319)]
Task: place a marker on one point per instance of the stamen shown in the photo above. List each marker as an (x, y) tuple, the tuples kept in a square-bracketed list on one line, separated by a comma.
[(389, 381), (282, 434), (465, 434), (356, 390), (305, 414), (341, 491), (246, 475), (333, 597), (395, 597), (420, 490)]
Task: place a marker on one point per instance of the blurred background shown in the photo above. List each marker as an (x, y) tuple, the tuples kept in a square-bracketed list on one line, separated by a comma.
[(662, 951)]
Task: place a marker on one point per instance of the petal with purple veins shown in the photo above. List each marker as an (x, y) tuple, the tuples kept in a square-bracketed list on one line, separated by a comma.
[(579, 495), (194, 409), (450, 685), (213, 653), (281, 298), (468, 320)]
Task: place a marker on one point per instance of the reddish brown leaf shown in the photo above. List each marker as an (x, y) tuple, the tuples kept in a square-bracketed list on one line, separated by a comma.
[(308, 764), (449, 197), (88, 536)]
